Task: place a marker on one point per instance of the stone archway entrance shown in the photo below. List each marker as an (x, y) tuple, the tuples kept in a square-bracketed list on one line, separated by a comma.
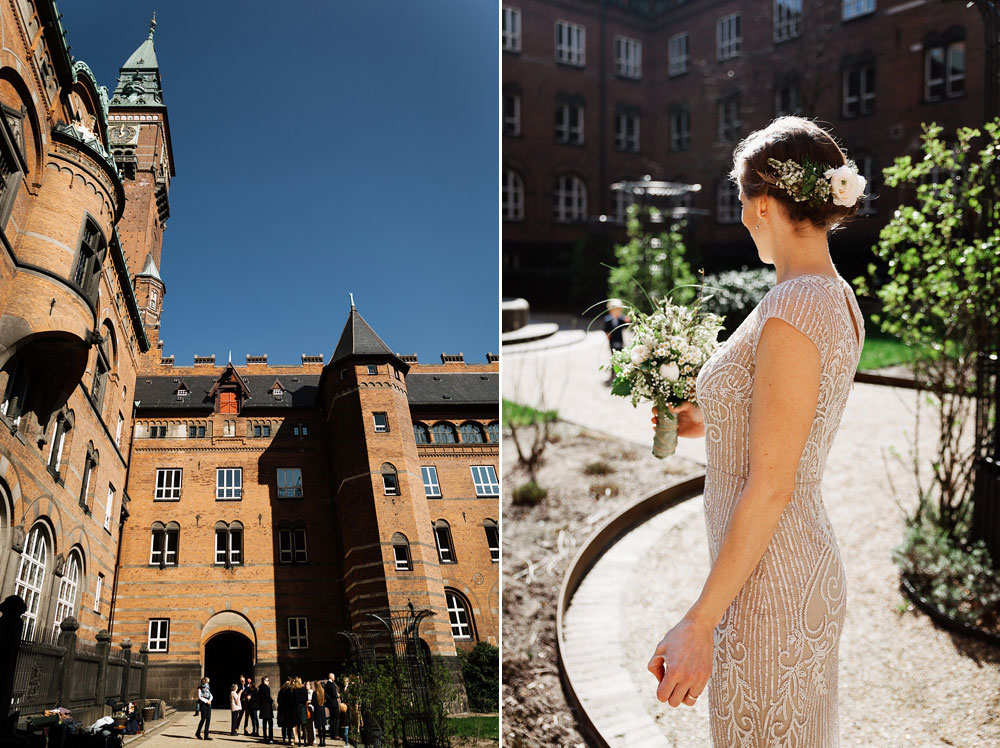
[(228, 655)]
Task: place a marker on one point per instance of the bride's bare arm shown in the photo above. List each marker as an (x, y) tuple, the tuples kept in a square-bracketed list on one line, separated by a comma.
[(785, 396)]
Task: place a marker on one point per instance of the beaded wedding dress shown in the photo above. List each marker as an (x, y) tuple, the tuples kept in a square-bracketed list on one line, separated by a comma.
[(774, 676)]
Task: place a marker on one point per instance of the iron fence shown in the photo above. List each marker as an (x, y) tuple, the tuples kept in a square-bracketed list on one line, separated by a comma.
[(35, 674)]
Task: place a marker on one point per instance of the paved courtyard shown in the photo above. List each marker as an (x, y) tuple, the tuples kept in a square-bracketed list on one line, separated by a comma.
[(179, 733)]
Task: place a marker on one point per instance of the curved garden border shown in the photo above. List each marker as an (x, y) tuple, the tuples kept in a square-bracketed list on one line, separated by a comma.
[(602, 539), (939, 616)]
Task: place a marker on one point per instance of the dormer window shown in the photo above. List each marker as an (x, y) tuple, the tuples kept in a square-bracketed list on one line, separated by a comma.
[(228, 402), (277, 390)]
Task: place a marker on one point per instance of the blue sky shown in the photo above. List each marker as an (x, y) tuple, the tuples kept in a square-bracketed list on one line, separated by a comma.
[(321, 148)]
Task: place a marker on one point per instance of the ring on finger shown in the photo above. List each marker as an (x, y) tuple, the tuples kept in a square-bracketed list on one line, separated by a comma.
[(690, 698)]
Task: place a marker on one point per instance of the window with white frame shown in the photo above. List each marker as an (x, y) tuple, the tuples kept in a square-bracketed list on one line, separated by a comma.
[(868, 168), (163, 544), (458, 615), (569, 199), (729, 36), (787, 99), (492, 538), (569, 123), (390, 480), (432, 488), (944, 71), (859, 90), (289, 483), (678, 53), (31, 577), (229, 483), (381, 422), (512, 195), (59, 431), (511, 114), (154, 296), (855, 8), (628, 57), (728, 208), (445, 546), (298, 633), (627, 131), (680, 128), (168, 484), (485, 479), (571, 43), (621, 200), (401, 552), (510, 28), (118, 430), (493, 431), (68, 588), (228, 544), (373, 368), (729, 119), (292, 546), (89, 465), (108, 507), (159, 634), (787, 19), (98, 592)]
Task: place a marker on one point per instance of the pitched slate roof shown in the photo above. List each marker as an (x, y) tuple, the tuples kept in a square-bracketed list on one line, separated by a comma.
[(160, 392), (359, 339), (454, 388)]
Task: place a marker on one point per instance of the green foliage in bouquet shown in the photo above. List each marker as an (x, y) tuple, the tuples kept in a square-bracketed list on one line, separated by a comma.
[(943, 290), (651, 266)]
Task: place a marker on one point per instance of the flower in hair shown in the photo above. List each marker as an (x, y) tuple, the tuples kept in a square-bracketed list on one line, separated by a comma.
[(816, 183), (846, 184)]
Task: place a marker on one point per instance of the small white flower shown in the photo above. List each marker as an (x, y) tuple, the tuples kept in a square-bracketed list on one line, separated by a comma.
[(670, 371), (846, 184), (639, 354)]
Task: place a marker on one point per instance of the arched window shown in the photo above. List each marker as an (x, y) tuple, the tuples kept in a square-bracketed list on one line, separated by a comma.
[(228, 544), (421, 433), (492, 538), (401, 552), (459, 614), (87, 271), (68, 590), (57, 445), (163, 544), (493, 430), (444, 433), (569, 199), (31, 577), (472, 433), (512, 196), (445, 545), (390, 480), (101, 369), (89, 466), (19, 393)]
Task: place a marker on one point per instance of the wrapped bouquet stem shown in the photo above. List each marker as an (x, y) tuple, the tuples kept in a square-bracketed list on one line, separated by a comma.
[(661, 365)]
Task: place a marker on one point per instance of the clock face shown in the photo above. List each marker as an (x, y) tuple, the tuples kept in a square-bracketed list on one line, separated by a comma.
[(123, 133)]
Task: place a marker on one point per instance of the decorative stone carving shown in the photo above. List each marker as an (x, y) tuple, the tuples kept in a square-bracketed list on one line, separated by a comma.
[(17, 542), (60, 565)]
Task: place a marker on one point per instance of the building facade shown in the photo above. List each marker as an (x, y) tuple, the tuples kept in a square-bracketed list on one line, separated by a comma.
[(599, 91), (231, 519)]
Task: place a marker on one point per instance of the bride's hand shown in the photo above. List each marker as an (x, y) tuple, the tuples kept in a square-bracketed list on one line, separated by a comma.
[(689, 419), (682, 663)]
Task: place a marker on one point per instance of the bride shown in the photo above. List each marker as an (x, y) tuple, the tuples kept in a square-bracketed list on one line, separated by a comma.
[(766, 626)]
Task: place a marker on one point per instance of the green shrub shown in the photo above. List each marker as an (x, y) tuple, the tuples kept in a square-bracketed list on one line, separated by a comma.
[(481, 672), (598, 468), (515, 414), (733, 294), (529, 494)]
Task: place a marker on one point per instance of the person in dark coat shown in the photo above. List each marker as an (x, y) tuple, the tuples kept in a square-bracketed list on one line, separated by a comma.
[(317, 700), (249, 701), (286, 711), (332, 694), (266, 709), (300, 697), (204, 710)]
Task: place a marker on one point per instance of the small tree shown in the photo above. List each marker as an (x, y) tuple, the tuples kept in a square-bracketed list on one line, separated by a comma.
[(943, 292), (651, 264), (481, 673), (530, 431)]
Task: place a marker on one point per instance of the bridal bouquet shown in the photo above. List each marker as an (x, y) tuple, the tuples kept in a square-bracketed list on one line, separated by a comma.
[(669, 347)]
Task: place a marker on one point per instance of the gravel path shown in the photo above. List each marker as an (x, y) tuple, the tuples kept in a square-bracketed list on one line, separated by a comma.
[(903, 682)]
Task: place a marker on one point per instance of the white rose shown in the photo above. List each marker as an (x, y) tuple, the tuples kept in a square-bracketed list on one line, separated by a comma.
[(639, 354), (846, 184), (670, 371)]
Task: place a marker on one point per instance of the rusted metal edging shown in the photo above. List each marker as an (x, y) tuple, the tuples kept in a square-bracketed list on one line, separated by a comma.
[(602, 539)]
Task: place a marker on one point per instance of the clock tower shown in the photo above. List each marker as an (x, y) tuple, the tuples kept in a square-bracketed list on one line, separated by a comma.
[(139, 131)]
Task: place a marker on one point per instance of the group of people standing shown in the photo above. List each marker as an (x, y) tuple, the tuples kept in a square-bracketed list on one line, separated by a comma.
[(306, 711)]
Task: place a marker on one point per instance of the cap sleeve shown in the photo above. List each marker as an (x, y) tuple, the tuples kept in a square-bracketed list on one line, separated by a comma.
[(803, 307)]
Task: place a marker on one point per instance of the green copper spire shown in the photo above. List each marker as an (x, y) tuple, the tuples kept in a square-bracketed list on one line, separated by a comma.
[(139, 78)]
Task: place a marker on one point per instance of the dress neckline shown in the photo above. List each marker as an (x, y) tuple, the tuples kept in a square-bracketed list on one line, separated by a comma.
[(811, 275)]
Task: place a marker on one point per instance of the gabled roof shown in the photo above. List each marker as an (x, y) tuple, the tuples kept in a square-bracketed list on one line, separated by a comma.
[(230, 373), (159, 392), (359, 339)]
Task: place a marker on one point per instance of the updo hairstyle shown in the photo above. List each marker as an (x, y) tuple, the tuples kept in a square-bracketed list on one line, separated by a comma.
[(796, 139)]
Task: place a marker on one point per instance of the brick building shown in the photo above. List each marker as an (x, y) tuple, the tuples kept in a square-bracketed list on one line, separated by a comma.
[(230, 518), (597, 91)]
